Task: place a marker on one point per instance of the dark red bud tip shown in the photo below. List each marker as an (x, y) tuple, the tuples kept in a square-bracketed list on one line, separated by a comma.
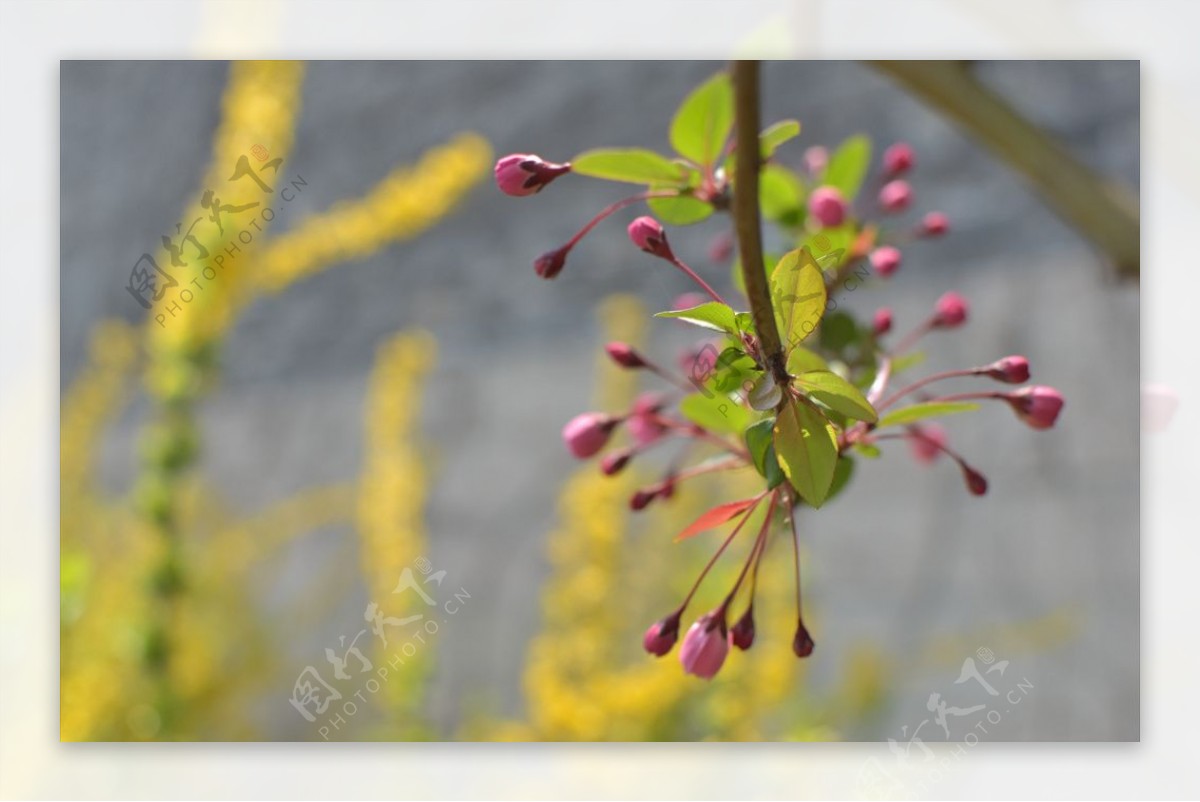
[(898, 158), (976, 482), (950, 311), (647, 233), (522, 174), (661, 636), (934, 224), (802, 644), (895, 196), (615, 462), (641, 499), (1011, 369), (741, 634), (587, 433), (882, 322), (624, 355), (1038, 406), (550, 264)]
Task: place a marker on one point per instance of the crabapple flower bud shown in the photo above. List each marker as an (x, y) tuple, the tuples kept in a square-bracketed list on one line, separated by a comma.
[(815, 159), (587, 433), (550, 264), (950, 311), (1037, 405), (644, 425), (802, 644), (615, 462), (934, 224), (624, 355), (886, 260), (976, 482), (1011, 369), (647, 233), (926, 442), (525, 174), (898, 158), (741, 634), (705, 646), (827, 205), (661, 635), (895, 196), (882, 322)]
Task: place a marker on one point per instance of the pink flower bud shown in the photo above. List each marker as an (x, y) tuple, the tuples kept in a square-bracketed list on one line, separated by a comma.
[(615, 462), (550, 264), (1037, 405), (705, 646), (827, 205), (1011, 369), (898, 158), (587, 433), (525, 174), (895, 196), (741, 634), (802, 644), (926, 442), (886, 260), (882, 322), (934, 224), (648, 234), (815, 159), (624, 355), (642, 498), (976, 482), (661, 635), (950, 311), (643, 424)]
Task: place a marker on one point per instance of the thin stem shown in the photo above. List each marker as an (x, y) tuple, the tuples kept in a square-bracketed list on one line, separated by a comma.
[(917, 385), (746, 216), (615, 207), (712, 561), (758, 541), (727, 464), (716, 296), (942, 399), (796, 555)]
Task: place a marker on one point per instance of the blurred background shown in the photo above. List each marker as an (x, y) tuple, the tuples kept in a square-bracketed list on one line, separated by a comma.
[(377, 384)]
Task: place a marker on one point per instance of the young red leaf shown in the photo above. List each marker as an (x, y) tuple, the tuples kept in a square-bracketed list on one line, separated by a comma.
[(716, 516)]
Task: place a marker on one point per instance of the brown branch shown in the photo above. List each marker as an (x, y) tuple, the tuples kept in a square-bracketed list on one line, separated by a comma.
[(746, 217), (1104, 212)]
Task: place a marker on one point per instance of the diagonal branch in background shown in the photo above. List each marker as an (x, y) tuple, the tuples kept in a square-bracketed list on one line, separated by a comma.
[(1104, 212)]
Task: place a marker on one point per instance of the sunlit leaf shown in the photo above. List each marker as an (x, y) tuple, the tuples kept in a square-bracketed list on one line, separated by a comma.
[(775, 135), (806, 447), (681, 211), (635, 165), (715, 517), (780, 194), (715, 412), (711, 315), (931, 409), (836, 393), (798, 294), (802, 360), (704, 120)]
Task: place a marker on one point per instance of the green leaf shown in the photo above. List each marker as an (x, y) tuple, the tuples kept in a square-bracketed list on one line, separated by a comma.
[(760, 442), (838, 331), (907, 362), (931, 409), (806, 446), (868, 450), (711, 315), (681, 211), (798, 294), (848, 166), (803, 360), (634, 165), (838, 394), (831, 246), (704, 120), (775, 135), (780, 194), (841, 476), (717, 413)]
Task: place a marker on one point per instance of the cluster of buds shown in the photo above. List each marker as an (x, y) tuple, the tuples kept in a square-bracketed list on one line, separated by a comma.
[(830, 403)]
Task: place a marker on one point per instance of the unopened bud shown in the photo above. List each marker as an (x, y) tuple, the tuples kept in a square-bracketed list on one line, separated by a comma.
[(587, 433), (741, 634), (886, 260), (1038, 405), (647, 233), (827, 206), (661, 636), (950, 311), (624, 355), (882, 322), (976, 482), (525, 174), (895, 196), (934, 224), (1011, 369), (802, 644), (898, 158), (550, 264), (615, 462)]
